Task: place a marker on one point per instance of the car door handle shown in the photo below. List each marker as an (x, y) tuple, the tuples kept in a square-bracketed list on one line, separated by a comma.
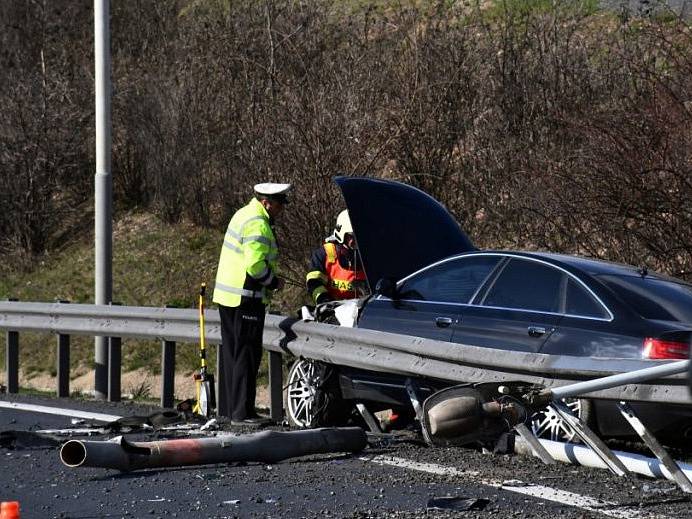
[(443, 322), (536, 331)]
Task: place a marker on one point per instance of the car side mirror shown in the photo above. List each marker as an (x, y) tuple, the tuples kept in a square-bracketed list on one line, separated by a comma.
[(386, 287)]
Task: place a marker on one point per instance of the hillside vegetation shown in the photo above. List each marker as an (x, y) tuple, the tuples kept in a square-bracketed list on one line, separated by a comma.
[(540, 124), (154, 264)]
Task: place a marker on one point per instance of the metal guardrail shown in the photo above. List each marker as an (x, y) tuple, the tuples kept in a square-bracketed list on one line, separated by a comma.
[(359, 348), (168, 325), (415, 356)]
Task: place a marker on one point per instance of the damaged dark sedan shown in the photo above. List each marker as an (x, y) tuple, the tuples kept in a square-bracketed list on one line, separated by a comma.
[(428, 280)]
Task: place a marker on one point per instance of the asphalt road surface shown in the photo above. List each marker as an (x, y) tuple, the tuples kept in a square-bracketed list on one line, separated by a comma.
[(393, 477)]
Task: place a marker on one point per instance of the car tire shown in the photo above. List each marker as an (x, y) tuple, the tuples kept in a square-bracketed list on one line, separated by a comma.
[(312, 397), (547, 425)]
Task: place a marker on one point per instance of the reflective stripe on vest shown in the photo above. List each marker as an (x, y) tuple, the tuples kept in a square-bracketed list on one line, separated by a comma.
[(239, 291), (249, 251), (340, 284)]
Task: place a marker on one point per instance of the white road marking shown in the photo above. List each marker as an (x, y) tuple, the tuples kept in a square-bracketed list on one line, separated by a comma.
[(430, 468), (62, 412), (562, 497), (577, 500)]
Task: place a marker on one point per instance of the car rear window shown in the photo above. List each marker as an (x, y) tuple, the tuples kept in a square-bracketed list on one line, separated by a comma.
[(653, 298), (526, 285), (453, 281), (580, 303)]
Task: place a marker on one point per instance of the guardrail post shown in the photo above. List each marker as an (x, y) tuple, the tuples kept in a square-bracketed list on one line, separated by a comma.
[(12, 359), (12, 362), (221, 396), (167, 373), (276, 405), (63, 363), (114, 366)]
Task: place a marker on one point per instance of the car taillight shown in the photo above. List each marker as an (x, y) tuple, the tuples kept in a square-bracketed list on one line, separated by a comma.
[(660, 349)]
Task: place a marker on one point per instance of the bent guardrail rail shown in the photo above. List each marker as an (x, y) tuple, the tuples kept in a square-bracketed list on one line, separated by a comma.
[(359, 348)]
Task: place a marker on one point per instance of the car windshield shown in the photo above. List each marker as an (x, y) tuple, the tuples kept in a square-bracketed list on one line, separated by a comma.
[(654, 298)]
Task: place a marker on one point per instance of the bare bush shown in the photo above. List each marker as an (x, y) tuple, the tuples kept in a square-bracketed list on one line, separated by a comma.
[(44, 159), (541, 125)]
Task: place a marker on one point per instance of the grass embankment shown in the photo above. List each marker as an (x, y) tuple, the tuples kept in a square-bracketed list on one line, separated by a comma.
[(154, 264)]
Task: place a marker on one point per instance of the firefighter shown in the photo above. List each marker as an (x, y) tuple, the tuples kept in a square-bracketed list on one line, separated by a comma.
[(335, 272), (245, 280)]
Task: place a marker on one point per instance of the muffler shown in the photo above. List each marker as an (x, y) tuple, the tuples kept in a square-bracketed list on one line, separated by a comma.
[(464, 414)]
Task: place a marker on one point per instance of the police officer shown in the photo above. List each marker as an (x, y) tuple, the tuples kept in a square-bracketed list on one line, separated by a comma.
[(245, 280), (334, 271)]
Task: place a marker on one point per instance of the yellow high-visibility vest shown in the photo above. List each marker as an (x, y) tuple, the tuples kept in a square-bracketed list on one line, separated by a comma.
[(248, 257)]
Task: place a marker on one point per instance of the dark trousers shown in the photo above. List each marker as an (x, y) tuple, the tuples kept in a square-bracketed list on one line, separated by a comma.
[(241, 354)]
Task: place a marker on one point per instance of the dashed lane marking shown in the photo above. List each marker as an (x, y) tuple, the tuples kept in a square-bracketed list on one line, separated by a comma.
[(430, 468), (58, 411), (562, 497)]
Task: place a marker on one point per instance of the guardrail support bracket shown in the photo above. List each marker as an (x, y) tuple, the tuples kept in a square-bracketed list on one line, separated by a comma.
[(535, 444), (653, 444), (372, 422), (589, 438)]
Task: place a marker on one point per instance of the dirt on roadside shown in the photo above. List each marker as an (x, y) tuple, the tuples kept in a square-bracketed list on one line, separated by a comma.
[(138, 384)]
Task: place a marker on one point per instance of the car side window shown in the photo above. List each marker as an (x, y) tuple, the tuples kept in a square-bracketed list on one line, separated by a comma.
[(579, 302), (526, 285), (454, 281)]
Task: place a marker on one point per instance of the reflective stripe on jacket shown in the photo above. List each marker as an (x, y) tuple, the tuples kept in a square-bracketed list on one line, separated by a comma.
[(247, 264)]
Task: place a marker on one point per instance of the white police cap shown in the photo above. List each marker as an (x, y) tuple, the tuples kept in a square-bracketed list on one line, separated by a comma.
[(272, 189)]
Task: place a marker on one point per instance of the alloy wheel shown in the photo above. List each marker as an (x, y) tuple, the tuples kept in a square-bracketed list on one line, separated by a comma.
[(547, 424), (300, 394)]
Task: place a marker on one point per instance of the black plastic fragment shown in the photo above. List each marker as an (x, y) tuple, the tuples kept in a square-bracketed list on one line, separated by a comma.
[(457, 503)]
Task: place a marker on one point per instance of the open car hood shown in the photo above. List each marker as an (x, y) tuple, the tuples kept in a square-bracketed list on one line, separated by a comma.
[(399, 228)]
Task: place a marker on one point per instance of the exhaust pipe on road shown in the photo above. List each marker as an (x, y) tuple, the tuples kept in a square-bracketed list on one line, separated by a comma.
[(265, 446)]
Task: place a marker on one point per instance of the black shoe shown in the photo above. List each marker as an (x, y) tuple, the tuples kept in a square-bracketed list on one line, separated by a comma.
[(255, 416), (247, 422), (251, 422)]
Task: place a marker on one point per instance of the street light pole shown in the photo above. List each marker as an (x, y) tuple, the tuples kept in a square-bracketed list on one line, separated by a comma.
[(103, 186)]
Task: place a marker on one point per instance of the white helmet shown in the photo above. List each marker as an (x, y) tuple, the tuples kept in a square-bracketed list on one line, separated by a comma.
[(343, 226)]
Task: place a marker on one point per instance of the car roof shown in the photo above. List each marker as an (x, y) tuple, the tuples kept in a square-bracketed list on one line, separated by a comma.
[(592, 266)]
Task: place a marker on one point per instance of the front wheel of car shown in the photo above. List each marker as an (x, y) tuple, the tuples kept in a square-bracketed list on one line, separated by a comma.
[(312, 397), (548, 425)]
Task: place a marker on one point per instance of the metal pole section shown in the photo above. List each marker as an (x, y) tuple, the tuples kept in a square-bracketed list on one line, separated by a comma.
[(582, 455), (266, 446), (582, 388), (103, 185), (167, 373)]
